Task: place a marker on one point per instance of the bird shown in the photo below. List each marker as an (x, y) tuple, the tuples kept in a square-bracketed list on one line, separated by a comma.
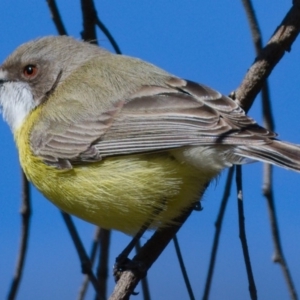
[(118, 141)]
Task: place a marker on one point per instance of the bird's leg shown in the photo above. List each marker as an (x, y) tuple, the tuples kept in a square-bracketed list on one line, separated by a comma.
[(122, 261)]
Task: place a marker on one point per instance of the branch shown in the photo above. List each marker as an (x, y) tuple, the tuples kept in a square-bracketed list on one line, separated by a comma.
[(108, 35), (218, 225), (267, 177), (86, 265), (25, 215), (102, 270), (144, 281), (55, 15), (94, 248), (270, 55), (146, 257), (89, 18), (257, 41), (242, 233), (183, 269), (278, 253)]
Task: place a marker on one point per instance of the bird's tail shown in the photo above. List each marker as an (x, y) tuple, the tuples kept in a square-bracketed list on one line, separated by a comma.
[(283, 154)]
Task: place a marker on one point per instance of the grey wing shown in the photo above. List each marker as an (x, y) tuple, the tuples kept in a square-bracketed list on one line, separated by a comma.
[(155, 118), (185, 114)]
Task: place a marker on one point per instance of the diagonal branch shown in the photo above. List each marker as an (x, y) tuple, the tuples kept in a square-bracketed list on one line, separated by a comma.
[(257, 41), (55, 15), (269, 56), (26, 214), (102, 269), (146, 257), (183, 269), (278, 253), (94, 248), (144, 281), (89, 17), (242, 233), (86, 265), (111, 39), (267, 177), (218, 225)]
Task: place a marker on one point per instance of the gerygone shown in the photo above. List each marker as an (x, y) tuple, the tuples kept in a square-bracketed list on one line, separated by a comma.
[(118, 141)]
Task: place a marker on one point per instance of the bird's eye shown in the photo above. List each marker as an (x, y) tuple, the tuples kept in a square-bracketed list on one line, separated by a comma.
[(30, 71)]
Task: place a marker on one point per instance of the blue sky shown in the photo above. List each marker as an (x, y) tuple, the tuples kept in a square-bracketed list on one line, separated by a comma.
[(203, 41)]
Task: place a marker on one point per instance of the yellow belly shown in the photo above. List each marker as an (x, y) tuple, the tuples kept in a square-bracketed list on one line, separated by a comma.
[(117, 193)]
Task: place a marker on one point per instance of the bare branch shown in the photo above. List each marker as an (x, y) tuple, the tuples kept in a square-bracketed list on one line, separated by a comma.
[(25, 215), (270, 55), (183, 269), (242, 233), (218, 225), (278, 255), (94, 248), (144, 281), (55, 15), (89, 18), (253, 23), (86, 265), (146, 257), (267, 177), (108, 35), (257, 41), (102, 270)]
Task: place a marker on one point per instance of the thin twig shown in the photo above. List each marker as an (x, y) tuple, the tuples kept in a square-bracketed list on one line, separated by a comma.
[(183, 269), (270, 55), (278, 253), (242, 233), (86, 266), (257, 41), (144, 281), (218, 225), (267, 173), (94, 248), (102, 269), (146, 257), (253, 23), (25, 215), (55, 15), (108, 35), (89, 17)]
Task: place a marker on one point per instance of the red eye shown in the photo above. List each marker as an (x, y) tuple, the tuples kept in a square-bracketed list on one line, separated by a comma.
[(30, 71)]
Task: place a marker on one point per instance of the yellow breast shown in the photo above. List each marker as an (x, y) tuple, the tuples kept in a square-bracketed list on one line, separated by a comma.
[(117, 193)]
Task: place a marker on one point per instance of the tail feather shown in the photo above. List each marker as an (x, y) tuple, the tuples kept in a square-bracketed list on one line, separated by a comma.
[(278, 153)]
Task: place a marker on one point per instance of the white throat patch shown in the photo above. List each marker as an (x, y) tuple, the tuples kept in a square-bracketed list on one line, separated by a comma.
[(16, 101)]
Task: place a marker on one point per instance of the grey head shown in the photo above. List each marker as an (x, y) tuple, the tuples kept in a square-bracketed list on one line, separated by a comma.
[(44, 61), (35, 68)]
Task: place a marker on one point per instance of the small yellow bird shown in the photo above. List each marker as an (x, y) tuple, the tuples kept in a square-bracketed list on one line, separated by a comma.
[(117, 141)]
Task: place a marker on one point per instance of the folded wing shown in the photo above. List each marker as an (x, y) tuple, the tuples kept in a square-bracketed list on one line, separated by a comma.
[(159, 118)]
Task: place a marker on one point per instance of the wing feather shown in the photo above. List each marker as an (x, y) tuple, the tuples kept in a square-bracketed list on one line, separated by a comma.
[(153, 118)]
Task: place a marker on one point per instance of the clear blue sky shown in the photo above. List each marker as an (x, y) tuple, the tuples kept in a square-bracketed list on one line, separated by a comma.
[(205, 41)]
